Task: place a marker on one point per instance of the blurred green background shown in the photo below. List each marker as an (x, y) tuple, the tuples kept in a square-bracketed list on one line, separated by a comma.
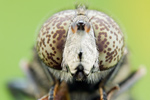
[(21, 19)]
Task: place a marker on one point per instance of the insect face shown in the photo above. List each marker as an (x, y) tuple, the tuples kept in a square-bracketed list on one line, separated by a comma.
[(80, 52), (80, 44)]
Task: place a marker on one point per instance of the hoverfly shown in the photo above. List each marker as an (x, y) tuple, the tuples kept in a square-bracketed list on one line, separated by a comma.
[(78, 56)]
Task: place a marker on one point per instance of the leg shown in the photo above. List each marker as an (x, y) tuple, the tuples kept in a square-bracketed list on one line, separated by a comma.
[(123, 86), (131, 80), (127, 83), (58, 92), (50, 95), (28, 86), (38, 80), (63, 93), (20, 88), (102, 94), (111, 92)]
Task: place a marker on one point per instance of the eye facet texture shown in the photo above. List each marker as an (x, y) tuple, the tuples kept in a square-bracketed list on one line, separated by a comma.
[(52, 36), (109, 39)]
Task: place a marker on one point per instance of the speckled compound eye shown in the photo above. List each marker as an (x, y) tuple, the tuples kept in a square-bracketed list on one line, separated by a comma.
[(52, 37), (109, 39)]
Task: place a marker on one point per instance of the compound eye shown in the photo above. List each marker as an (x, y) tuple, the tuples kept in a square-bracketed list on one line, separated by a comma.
[(109, 39), (51, 38)]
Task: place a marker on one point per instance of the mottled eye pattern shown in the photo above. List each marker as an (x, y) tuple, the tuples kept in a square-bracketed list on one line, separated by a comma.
[(109, 39), (52, 37)]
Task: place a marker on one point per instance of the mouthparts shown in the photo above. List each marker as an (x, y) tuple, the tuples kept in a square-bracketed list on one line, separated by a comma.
[(80, 75)]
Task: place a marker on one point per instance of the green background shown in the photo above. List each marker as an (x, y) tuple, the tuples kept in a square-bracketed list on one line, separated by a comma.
[(21, 19)]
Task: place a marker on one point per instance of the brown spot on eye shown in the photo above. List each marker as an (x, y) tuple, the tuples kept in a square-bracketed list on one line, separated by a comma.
[(48, 64), (58, 25), (99, 37), (43, 42), (109, 49), (52, 54), (51, 62), (109, 56), (122, 48), (42, 48), (101, 62), (103, 33), (48, 41), (110, 37), (117, 47), (113, 42), (55, 52), (44, 33), (107, 43), (96, 26), (61, 33), (54, 35), (115, 53), (62, 19), (43, 55), (100, 46), (104, 51), (113, 45), (53, 48), (58, 58), (109, 59), (102, 23), (46, 52), (60, 45), (103, 42), (114, 59), (105, 46), (65, 23), (102, 29), (40, 44), (50, 45), (116, 36), (48, 35), (48, 28), (54, 41), (111, 32), (101, 67), (52, 32), (118, 58)]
